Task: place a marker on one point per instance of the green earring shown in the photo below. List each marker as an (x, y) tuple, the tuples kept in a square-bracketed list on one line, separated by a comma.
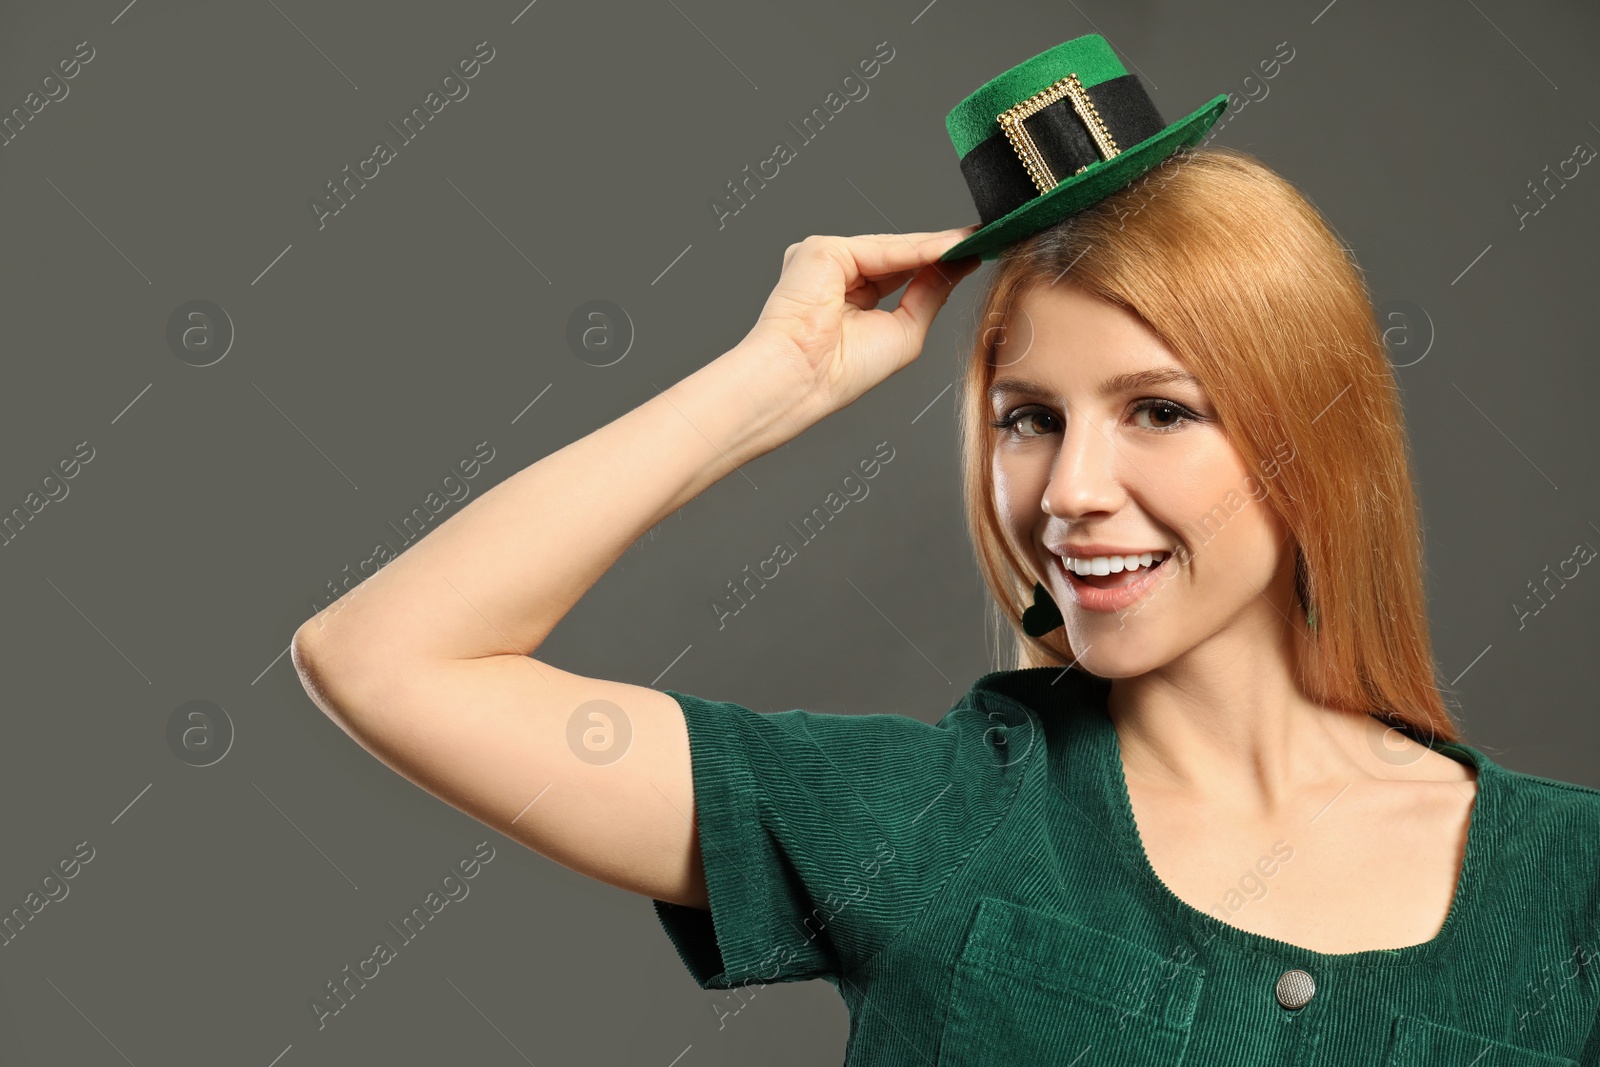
[(1301, 589), (1044, 616)]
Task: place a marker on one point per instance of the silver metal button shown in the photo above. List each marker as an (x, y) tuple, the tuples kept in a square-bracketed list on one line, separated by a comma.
[(1294, 989)]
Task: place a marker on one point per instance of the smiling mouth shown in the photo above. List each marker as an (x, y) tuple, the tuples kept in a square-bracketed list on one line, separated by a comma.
[(1099, 593), (1111, 581)]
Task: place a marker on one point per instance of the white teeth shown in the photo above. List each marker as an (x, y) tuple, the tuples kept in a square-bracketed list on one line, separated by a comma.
[(1112, 564)]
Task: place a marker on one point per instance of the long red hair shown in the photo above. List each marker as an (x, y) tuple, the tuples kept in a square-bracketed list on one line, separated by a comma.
[(1247, 284)]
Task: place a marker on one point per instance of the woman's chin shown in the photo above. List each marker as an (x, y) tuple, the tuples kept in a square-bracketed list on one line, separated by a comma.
[(1117, 654)]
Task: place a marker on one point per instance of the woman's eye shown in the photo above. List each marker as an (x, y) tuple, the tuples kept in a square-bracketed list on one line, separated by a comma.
[(1022, 417), (1165, 415), (1168, 415)]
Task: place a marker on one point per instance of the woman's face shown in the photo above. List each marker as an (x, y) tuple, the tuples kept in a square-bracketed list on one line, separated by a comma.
[(1097, 460)]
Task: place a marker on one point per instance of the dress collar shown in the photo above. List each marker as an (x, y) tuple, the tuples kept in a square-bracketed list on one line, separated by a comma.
[(1084, 762)]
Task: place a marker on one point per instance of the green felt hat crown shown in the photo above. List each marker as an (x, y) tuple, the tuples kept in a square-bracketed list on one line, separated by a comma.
[(1055, 134)]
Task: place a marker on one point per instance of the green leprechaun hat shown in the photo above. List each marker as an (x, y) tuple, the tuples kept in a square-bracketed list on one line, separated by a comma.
[(1055, 134)]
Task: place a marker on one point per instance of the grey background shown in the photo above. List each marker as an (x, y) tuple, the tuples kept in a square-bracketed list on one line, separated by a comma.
[(372, 354)]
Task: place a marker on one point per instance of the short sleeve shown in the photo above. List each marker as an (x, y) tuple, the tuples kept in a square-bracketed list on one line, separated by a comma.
[(824, 835)]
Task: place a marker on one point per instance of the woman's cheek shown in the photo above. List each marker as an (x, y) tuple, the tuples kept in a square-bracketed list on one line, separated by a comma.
[(1011, 496)]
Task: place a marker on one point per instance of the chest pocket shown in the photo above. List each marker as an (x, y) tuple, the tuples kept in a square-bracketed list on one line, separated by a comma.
[(1041, 989), (1417, 1042)]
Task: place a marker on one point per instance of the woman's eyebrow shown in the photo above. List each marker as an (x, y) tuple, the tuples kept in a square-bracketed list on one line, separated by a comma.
[(1119, 383)]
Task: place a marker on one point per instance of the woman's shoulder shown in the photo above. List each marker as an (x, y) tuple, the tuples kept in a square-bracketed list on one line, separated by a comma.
[(1553, 822), (1549, 795)]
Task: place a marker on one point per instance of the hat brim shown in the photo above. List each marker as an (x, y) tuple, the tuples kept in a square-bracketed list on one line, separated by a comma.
[(1103, 178)]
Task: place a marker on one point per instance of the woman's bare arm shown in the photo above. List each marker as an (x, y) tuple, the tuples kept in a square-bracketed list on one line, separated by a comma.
[(427, 664)]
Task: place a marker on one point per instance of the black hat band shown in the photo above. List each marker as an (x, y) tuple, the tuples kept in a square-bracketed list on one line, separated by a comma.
[(1047, 144)]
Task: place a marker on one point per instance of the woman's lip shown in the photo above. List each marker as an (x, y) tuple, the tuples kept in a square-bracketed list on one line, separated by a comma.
[(1091, 599)]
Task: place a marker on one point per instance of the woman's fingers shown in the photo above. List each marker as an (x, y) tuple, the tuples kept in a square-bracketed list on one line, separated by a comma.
[(814, 310), (869, 293), (878, 254), (869, 256), (928, 292)]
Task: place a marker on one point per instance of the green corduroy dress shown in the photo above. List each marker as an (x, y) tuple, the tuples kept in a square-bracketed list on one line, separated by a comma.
[(977, 893)]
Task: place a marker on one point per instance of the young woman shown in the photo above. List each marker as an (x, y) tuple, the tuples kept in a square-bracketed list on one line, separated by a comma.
[(1218, 815)]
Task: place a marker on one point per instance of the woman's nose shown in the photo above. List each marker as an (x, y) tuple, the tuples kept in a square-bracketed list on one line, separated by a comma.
[(1086, 475)]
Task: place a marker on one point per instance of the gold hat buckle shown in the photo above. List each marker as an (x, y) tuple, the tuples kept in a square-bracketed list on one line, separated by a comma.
[(1022, 141)]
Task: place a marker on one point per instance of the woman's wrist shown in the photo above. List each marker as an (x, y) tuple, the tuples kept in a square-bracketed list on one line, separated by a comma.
[(773, 402)]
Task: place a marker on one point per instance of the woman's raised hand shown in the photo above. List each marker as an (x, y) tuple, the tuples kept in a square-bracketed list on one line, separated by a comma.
[(822, 319)]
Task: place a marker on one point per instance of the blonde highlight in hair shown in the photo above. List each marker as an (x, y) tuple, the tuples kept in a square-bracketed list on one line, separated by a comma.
[(1243, 280)]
